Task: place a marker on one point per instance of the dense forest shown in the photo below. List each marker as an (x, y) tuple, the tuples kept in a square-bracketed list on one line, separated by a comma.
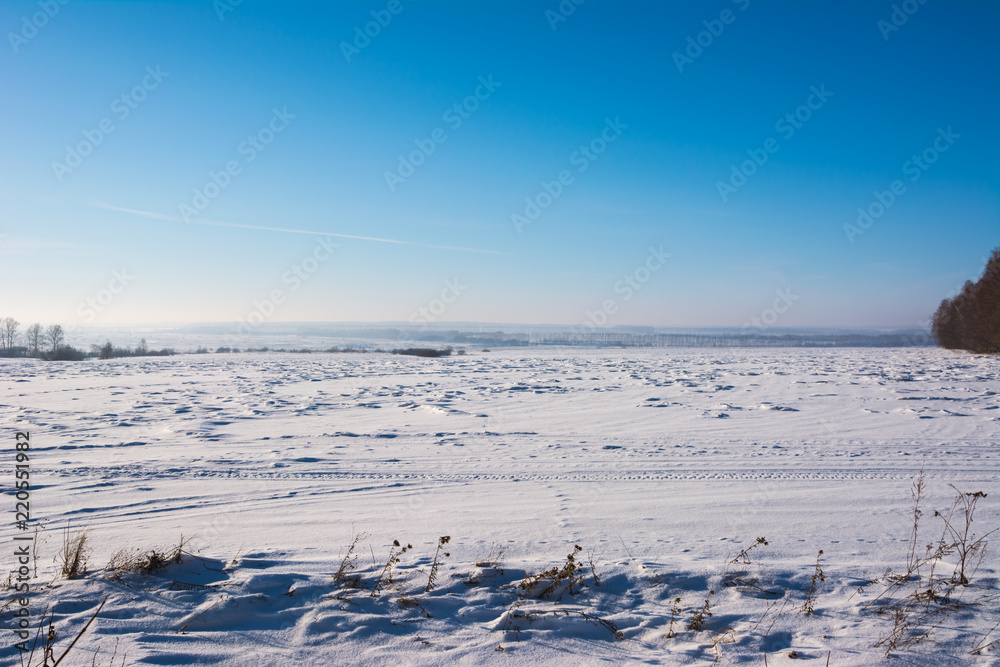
[(971, 320)]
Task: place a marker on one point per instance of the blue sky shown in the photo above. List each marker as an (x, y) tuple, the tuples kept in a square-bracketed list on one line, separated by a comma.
[(102, 238)]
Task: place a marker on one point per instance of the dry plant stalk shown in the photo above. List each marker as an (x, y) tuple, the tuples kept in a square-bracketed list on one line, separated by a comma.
[(443, 540), (698, 620), (981, 645), (385, 576), (413, 602), (569, 574), (593, 569), (493, 560), (741, 577), (959, 536), (675, 612), (48, 648), (744, 555), (654, 579), (343, 575), (723, 635), (810, 604), (510, 623), (919, 601)]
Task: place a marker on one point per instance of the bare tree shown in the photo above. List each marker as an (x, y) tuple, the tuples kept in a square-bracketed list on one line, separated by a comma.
[(8, 334), (34, 336), (55, 336)]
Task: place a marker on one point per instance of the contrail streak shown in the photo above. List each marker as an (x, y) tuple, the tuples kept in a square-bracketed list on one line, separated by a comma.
[(238, 225)]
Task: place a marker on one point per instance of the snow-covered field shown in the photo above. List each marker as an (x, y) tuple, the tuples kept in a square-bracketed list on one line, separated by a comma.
[(660, 464)]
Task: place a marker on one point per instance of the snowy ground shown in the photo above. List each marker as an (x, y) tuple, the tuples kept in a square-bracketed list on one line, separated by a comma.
[(661, 464)]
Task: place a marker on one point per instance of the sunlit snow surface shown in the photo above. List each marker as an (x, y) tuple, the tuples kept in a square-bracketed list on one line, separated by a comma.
[(662, 464)]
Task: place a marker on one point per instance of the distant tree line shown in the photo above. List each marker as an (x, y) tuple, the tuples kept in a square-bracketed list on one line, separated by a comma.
[(49, 343), (611, 338), (36, 341), (109, 351), (971, 320)]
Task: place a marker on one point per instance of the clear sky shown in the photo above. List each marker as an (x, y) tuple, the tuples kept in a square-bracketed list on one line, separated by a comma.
[(650, 163)]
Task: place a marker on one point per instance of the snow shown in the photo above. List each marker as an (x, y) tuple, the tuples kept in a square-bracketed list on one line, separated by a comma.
[(660, 464)]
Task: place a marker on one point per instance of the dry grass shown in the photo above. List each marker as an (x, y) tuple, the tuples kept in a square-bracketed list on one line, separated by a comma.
[(74, 554), (129, 561), (490, 565), (493, 558), (938, 588)]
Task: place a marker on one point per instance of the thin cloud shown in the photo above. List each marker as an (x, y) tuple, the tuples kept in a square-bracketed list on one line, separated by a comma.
[(238, 225), (24, 245)]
